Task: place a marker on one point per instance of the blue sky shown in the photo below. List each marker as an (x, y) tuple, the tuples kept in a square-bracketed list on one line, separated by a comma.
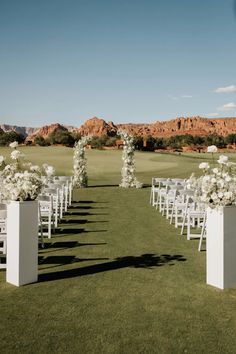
[(122, 60)]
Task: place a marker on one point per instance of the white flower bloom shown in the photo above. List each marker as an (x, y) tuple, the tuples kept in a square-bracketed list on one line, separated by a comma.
[(212, 149), (13, 145), (228, 195), (222, 159), (204, 166), (228, 179), (16, 154), (2, 158), (35, 168), (215, 170)]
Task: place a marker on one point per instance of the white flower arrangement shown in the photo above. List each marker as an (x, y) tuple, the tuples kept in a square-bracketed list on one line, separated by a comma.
[(19, 181), (48, 169), (80, 178), (217, 186), (128, 169), (21, 186), (16, 154), (14, 144), (212, 148), (2, 159)]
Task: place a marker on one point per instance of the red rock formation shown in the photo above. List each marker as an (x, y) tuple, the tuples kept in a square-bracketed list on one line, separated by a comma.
[(97, 127), (180, 126), (46, 130)]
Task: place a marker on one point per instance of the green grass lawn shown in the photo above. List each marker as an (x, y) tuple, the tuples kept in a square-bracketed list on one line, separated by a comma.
[(116, 277)]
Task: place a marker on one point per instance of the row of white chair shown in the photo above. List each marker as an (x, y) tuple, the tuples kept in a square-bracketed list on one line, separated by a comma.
[(175, 202), (54, 201)]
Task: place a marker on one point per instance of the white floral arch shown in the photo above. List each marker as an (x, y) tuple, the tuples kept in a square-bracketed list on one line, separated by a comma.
[(80, 178)]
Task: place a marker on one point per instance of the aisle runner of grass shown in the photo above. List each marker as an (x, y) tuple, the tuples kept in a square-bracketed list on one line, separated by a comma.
[(117, 278)]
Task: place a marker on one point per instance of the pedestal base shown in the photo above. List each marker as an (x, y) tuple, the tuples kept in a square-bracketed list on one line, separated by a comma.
[(22, 242), (221, 247)]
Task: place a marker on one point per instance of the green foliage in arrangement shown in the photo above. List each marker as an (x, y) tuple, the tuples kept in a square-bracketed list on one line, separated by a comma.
[(117, 277)]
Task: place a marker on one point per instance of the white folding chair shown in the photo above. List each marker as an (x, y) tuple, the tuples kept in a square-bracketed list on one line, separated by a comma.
[(62, 196), (163, 191), (170, 199), (54, 192), (156, 184), (68, 180), (46, 214), (195, 219)]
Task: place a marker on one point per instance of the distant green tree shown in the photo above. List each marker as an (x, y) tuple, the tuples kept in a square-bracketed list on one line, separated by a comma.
[(39, 140), (8, 137), (98, 142), (199, 140), (61, 137), (230, 139), (215, 139), (111, 141), (150, 143), (160, 143), (14, 136), (187, 139), (175, 142), (138, 142)]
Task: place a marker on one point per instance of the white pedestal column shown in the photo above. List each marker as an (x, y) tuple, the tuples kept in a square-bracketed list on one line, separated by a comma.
[(22, 242), (221, 247)]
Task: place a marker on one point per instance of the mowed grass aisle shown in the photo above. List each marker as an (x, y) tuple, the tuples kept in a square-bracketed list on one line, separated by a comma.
[(117, 278)]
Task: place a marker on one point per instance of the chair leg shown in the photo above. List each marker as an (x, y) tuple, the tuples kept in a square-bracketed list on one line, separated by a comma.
[(203, 233)]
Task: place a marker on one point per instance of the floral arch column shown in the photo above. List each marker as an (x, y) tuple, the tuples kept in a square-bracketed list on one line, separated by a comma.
[(80, 178), (128, 170)]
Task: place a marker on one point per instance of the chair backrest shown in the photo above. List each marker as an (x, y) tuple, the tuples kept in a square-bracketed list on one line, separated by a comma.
[(59, 185), (3, 222), (45, 203), (50, 191)]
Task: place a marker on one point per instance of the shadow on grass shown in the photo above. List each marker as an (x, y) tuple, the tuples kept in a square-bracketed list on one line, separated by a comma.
[(104, 185), (70, 231), (62, 245), (83, 213), (147, 261), (64, 260), (81, 221), (78, 204), (74, 221)]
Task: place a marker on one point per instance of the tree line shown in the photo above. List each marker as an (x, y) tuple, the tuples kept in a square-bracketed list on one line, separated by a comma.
[(148, 143)]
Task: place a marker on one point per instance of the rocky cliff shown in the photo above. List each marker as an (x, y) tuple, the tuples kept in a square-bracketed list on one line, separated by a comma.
[(97, 127), (191, 125), (46, 130), (25, 131), (178, 126)]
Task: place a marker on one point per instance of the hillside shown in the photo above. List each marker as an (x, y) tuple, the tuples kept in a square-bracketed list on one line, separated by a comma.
[(97, 127)]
